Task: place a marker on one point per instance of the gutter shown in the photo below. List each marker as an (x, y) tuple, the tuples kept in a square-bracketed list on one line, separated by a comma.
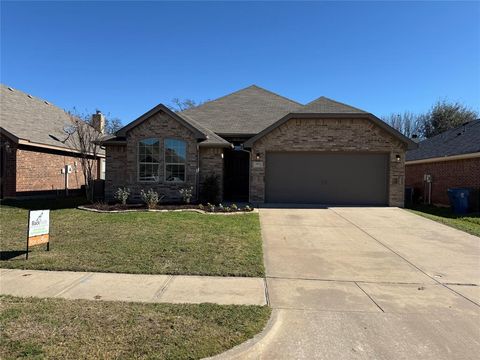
[(444, 158), (52, 147)]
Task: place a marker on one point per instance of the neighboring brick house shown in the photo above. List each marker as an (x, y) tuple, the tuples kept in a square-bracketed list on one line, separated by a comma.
[(32, 156), (447, 160), (264, 148)]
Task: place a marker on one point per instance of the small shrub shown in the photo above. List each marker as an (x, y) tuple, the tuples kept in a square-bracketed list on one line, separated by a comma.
[(220, 207), (228, 209), (201, 207), (186, 194), (122, 195), (151, 198), (210, 207), (247, 208), (234, 207), (210, 189)]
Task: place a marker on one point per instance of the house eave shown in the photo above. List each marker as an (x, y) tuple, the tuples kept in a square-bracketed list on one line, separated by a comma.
[(444, 158)]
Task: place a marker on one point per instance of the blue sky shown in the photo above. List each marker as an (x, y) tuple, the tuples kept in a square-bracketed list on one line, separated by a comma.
[(124, 58)]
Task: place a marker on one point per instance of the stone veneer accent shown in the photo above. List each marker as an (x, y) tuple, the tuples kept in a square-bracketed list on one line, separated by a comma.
[(122, 168), (331, 135)]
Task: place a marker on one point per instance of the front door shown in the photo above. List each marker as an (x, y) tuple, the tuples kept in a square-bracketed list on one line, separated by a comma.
[(236, 175)]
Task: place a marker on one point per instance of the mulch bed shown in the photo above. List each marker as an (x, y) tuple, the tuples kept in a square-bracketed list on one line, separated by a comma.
[(172, 207)]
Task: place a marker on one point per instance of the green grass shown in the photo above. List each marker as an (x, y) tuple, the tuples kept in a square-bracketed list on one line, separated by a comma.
[(469, 223), (139, 242), (81, 329)]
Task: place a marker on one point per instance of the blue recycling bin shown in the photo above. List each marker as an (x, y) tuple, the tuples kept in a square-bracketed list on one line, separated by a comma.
[(459, 200)]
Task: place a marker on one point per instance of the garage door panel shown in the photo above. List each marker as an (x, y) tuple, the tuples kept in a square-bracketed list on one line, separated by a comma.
[(326, 178)]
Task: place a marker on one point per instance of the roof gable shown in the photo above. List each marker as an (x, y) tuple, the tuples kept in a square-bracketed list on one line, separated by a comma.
[(206, 136), (161, 108), (411, 144), (463, 139), (247, 111), (325, 105)]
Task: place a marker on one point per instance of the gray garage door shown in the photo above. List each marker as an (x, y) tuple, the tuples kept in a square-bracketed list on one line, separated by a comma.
[(326, 178)]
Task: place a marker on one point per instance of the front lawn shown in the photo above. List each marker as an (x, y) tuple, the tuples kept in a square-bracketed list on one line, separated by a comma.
[(140, 243), (469, 223), (82, 329)]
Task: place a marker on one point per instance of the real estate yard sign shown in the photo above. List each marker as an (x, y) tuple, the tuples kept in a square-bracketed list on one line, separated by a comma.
[(38, 228)]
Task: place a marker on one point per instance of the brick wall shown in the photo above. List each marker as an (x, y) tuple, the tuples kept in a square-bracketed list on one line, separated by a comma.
[(211, 163), (331, 135), (115, 169), (445, 174), (39, 170), (122, 166)]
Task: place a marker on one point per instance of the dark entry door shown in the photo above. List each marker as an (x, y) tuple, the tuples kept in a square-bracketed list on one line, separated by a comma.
[(327, 178), (236, 167)]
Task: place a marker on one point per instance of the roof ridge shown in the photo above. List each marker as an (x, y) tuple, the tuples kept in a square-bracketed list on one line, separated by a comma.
[(32, 97), (273, 93), (240, 90), (337, 102)]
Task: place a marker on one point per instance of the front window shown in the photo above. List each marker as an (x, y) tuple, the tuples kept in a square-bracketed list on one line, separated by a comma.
[(175, 155), (149, 160)]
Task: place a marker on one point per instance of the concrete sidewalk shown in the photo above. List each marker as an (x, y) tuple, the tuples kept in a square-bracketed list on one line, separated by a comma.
[(130, 287)]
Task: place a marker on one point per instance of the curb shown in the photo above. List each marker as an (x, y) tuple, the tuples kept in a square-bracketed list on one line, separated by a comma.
[(249, 346)]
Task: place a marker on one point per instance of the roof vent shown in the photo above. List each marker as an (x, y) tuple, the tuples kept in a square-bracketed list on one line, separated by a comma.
[(46, 102), (10, 89), (30, 96)]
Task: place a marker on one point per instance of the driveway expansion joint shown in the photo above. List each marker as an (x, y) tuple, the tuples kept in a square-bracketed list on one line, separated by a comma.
[(369, 297), (405, 259)]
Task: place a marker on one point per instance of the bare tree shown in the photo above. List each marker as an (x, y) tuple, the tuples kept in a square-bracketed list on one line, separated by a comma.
[(407, 123), (112, 125), (185, 104), (84, 138)]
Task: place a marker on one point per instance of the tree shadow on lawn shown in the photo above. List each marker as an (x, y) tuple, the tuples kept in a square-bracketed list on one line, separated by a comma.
[(48, 203), (445, 212), (11, 254)]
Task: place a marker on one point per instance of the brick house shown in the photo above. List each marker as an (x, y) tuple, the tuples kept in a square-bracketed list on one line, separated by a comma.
[(448, 160), (32, 154), (264, 148)]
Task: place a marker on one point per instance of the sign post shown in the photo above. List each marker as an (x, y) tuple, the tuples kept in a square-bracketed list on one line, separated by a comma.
[(38, 229)]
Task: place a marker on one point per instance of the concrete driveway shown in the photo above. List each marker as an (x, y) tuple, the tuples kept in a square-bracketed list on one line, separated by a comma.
[(368, 283)]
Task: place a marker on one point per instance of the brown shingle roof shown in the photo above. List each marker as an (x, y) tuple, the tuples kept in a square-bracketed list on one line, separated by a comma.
[(247, 111), (32, 119), (324, 105)]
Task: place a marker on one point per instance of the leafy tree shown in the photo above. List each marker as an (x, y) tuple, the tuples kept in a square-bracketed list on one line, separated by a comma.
[(442, 116), (446, 115)]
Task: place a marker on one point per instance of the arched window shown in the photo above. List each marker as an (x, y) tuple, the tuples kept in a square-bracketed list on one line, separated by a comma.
[(175, 159), (149, 160)]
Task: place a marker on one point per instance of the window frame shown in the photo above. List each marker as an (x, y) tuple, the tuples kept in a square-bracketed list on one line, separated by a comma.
[(171, 163), (149, 163)]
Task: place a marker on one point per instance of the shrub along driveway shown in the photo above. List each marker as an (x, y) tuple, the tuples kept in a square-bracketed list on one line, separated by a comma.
[(370, 283), (138, 243)]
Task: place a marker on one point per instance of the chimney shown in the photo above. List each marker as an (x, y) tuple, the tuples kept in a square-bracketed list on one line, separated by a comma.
[(98, 121)]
